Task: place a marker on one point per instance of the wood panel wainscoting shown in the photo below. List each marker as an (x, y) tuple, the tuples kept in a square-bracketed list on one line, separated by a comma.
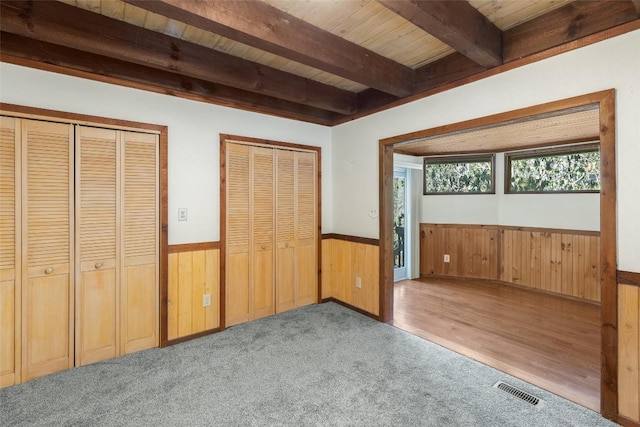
[(629, 347), (193, 305), (472, 250), (566, 262), (344, 259)]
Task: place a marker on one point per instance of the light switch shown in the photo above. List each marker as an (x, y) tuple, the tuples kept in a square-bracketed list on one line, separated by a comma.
[(182, 214)]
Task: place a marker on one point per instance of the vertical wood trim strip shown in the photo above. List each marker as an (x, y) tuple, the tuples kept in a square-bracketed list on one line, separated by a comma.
[(223, 230), (319, 223), (608, 257), (164, 235), (386, 232)]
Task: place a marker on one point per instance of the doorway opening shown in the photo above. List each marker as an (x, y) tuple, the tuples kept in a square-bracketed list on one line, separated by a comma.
[(538, 118)]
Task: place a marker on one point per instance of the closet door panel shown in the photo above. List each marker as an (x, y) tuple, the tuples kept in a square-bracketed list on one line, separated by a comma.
[(237, 234), (306, 229), (47, 321), (97, 291), (262, 286), (47, 248), (9, 251), (285, 231), (262, 296), (97, 316), (286, 266), (139, 286)]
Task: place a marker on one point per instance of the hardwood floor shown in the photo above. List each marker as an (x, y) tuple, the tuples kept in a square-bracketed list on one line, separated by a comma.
[(547, 340)]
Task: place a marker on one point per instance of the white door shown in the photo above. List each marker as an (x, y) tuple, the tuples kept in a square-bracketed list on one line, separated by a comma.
[(400, 244)]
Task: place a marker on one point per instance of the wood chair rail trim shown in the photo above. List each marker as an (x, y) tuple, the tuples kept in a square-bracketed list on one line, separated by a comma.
[(628, 278), (190, 247), (353, 239)]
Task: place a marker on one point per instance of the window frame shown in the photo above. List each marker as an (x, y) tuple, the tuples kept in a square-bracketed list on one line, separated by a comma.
[(543, 152), (470, 158)]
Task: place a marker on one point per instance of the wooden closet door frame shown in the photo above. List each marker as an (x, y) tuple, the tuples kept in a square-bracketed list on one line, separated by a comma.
[(226, 138), (20, 111)]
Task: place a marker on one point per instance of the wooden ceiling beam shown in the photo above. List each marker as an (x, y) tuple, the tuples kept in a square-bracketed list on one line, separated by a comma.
[(570, 22), (38, 54), (445, 70), (265, 27), (455, 23), (563, 25), (62, 24)]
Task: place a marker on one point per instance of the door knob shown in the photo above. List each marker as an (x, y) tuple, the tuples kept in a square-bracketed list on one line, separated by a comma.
[(98, 265), (48, 270)]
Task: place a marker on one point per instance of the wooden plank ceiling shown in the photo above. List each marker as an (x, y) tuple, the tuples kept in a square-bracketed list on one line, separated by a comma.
[(321, 61), (561, 127)]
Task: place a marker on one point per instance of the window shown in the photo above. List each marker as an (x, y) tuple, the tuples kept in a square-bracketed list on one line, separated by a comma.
[(573, 169), (459, 175)]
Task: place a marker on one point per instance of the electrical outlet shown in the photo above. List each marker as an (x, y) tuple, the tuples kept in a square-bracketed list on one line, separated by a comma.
[(358, 283), (182, 214), (447, 258), (206, 300)]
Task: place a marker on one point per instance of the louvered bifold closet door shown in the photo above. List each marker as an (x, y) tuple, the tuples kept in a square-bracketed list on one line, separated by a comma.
[(47, 248), (237, 234), (140, 243), (96, 244), (262, 226), (285, 231), (306, 229), (9, 251)]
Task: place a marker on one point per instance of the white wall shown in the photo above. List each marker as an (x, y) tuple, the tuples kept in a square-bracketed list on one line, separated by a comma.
[(566, 211), (613, 63), (194, 138)]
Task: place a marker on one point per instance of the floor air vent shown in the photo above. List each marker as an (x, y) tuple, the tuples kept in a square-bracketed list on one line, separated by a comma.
[(520, 394)]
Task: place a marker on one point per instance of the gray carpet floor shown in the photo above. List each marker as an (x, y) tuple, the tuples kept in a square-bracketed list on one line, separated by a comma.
[(318, 365)]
